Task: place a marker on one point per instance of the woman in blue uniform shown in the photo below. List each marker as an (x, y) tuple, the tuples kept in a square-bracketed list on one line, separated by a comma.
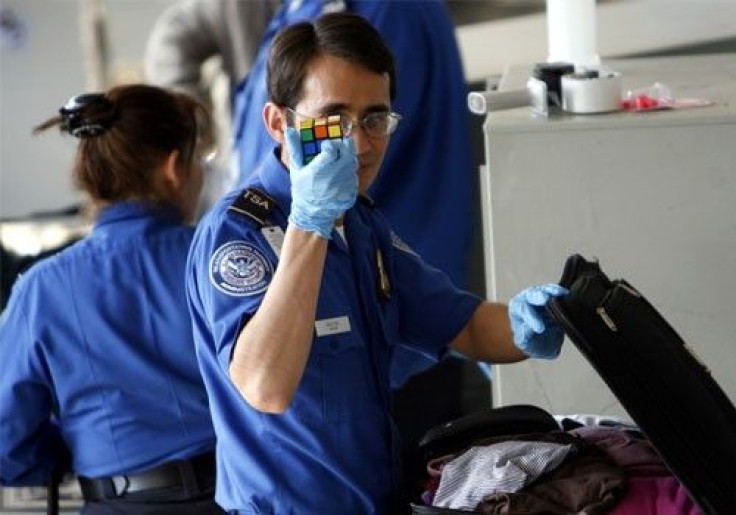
[(96, 350), (300, 293)]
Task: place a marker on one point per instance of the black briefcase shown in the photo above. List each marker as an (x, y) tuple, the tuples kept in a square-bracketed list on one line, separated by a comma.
[(666, 390)]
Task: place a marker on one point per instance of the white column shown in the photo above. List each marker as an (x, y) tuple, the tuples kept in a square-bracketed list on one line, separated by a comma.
[(572, 33)]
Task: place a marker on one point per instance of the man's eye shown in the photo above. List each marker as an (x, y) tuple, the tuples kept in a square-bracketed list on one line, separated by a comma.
[(376, 120)]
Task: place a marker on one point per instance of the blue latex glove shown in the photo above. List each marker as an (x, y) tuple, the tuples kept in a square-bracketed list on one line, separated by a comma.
[(325, 188), (535, 333)]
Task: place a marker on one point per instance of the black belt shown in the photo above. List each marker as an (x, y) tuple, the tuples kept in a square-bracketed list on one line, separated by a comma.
[(193, 476)]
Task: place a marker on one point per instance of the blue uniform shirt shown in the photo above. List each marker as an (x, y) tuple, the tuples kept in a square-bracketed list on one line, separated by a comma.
[(426, 188), (334, 450), (96, 349)]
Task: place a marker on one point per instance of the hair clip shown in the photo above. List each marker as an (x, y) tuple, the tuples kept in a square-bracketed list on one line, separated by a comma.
[(73, 120)]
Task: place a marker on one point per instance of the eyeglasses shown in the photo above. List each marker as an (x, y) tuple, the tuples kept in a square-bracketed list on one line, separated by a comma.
[(375, 125)]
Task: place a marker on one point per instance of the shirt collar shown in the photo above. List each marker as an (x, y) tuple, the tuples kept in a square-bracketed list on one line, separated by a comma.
[(130, 210), (275, 179)]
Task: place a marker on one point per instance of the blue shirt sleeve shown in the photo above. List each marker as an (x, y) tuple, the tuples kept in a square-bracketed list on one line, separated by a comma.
[(432, 311), (230, 268), (30, 441)]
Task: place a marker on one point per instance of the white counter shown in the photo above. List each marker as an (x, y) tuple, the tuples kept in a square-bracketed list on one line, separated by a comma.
[(652, 195)]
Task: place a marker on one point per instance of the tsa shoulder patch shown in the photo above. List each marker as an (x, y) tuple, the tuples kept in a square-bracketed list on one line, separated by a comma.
[(398, 243), (255, 204), (240, 269)]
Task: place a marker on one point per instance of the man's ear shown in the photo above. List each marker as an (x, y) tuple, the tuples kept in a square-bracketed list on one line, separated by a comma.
[(273, 118)]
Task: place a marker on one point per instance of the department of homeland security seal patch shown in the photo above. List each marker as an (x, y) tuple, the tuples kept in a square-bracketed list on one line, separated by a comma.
[(239, 268)]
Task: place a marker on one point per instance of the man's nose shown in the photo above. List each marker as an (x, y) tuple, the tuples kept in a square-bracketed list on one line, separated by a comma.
[(362, 141)]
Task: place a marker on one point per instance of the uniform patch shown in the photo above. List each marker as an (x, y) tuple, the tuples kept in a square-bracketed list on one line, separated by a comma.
[(239, 268), (398, 243)]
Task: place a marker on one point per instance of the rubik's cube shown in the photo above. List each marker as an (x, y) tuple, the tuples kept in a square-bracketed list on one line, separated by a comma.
[(314, 131)]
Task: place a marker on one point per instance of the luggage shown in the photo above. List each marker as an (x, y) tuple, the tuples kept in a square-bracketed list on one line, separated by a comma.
[(457, 435), (665, 389), (453, 436), (521, 454)]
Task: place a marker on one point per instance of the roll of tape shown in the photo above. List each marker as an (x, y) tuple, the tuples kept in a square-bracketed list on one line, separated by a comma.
[(481, 102), (588, 93)]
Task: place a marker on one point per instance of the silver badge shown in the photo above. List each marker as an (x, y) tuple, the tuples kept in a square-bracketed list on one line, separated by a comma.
[(398, 243)]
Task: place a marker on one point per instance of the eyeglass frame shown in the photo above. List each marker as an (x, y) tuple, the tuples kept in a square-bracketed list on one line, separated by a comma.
[(393, 121)]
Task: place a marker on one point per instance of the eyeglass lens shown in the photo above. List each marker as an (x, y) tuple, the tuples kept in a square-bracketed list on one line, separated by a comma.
[(375, 124)]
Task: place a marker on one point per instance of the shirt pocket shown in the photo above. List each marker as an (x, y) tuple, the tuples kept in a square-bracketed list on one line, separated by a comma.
[(334, 379)]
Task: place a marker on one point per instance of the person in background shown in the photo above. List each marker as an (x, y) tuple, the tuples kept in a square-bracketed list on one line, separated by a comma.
[(189, 32), (300, 294), (96, 341), (181, 53)]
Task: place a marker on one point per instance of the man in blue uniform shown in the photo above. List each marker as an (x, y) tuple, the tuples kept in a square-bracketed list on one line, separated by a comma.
[(300, 294), (428, 156)]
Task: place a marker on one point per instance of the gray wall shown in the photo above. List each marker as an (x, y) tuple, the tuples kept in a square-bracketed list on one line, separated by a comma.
[(34, 79), (37, 78)]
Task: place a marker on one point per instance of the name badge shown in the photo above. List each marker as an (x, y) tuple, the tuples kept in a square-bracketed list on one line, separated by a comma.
[(330, 326), (275, 238)]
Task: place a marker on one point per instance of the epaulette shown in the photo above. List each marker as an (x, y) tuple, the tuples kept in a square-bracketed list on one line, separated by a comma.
[(366, 200), (254, 204)]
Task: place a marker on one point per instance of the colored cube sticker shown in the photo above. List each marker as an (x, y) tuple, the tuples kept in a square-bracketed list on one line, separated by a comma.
[(314, 131)]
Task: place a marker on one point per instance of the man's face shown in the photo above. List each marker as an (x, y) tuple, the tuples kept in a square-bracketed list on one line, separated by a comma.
[(336, 86)]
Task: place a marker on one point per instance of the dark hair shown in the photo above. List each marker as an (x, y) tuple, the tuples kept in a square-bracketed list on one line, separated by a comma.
[(125, 136), (344, 35)]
